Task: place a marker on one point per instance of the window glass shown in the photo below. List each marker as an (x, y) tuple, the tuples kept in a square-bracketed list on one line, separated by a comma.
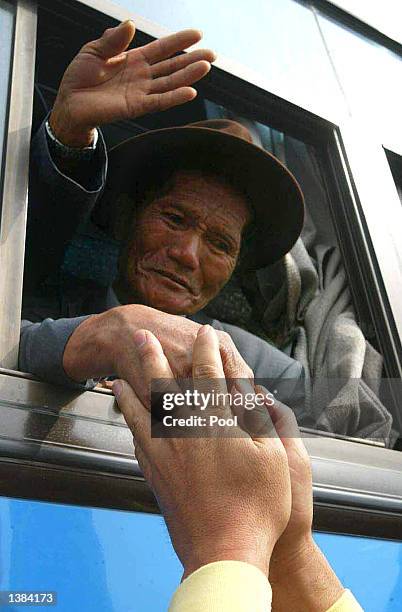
[(6, 29), (371, 77), (278, 42)]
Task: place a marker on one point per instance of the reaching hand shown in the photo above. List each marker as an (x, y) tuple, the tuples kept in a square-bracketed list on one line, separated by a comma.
[(229, 498), (105, 83), (222, 497)]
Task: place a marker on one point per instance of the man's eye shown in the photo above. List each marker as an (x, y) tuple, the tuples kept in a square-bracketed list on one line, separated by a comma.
[(173, 218), (221, 245)]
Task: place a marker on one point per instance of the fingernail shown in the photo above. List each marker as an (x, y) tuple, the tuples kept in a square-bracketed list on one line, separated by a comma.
[(139, 338), (117, 388), (205, 329)]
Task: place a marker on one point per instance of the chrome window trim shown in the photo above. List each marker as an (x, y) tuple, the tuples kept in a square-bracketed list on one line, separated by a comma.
[(377, 253), (15, 186), (372, 188), (84, 487), (59, 442)]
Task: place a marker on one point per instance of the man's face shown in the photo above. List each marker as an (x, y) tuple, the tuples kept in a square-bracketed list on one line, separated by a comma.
[(185, 244)]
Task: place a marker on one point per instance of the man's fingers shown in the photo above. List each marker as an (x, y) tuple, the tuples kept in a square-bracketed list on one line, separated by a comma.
[(233, 363), (134, 412), (208, 374), (183, 77), (179, 62), (154, 365), (169, 45), (162, 101), (113, 41), (207, 362)]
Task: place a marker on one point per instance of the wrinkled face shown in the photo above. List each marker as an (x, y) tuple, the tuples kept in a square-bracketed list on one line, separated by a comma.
[(185, 243)]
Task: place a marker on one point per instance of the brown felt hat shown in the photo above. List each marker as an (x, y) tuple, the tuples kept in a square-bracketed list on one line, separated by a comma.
[(224, 148)]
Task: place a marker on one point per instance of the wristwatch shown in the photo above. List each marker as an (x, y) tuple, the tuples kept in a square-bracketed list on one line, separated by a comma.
[(65, 152)]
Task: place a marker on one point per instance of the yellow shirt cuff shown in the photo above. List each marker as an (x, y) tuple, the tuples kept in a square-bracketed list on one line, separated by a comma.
[(223, 586), (346, 603)]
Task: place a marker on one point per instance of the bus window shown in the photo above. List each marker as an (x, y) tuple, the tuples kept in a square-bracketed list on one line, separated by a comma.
[(370, 75), (310, 305)]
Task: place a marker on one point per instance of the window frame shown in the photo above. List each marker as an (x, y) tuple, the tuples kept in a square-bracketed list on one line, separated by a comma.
[(15, 182), (357, 487), (358, 22)]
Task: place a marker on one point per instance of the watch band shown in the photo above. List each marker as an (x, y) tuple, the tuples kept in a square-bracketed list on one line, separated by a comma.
[(65, 152)]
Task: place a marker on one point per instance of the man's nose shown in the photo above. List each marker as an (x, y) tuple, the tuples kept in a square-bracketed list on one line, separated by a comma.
[(186, 250)]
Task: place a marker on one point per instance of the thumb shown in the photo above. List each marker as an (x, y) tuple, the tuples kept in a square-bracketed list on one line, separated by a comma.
[(135, 414), (113, 40)]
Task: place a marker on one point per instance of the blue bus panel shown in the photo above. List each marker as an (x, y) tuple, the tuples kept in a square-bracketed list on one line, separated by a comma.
[(112, 561)]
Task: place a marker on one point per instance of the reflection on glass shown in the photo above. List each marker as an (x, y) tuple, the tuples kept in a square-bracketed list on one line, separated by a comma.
[(371, 77), (6, 29), (277, 41)]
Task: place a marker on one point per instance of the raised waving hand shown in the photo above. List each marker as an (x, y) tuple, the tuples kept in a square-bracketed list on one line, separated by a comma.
[(105, 82)]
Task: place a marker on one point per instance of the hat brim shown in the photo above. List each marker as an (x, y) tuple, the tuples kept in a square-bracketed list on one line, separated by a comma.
[(271, 189)]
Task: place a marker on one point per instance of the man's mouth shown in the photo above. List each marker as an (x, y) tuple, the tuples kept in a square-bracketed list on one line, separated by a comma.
[(179, 280)]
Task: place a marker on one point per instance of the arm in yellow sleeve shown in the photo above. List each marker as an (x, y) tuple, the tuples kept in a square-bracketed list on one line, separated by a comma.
[(223, 586), (346, 603), (234, 586)]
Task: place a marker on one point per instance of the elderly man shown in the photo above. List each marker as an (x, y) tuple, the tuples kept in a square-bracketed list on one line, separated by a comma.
[(188, 205)]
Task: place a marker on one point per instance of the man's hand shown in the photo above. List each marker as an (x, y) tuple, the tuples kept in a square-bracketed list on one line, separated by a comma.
[(105, 83), (222, 498), (103, 345)]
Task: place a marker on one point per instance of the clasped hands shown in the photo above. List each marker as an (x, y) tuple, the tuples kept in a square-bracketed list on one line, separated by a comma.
[(241, 496)]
